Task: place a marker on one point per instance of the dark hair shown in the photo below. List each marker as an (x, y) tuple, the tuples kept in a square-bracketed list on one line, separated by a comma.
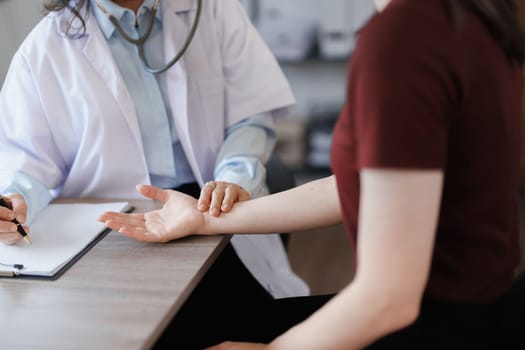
[(503, 21), (74, 7)]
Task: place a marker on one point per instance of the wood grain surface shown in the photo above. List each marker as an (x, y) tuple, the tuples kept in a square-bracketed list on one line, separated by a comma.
[(119, 295)]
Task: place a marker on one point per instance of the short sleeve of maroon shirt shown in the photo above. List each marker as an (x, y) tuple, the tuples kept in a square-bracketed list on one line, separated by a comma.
[(425, 94)]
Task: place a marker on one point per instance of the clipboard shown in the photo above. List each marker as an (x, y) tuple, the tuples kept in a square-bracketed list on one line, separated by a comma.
[(61, 234)]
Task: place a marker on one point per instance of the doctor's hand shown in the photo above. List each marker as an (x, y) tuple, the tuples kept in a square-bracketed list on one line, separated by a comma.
[(179, 217), (219, 196), (17, 208)]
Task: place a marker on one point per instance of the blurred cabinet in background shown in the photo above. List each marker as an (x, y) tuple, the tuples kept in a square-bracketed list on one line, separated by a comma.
[(339, 21), (313, 41), (328, 25), (319, 134)]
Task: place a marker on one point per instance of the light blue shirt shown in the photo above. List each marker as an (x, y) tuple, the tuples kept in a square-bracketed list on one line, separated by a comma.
[(167, 164), (247, 146)]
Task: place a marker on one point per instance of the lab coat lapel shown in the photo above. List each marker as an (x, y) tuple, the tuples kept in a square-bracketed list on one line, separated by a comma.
[(176, 30), (181, 5), (99, 55)]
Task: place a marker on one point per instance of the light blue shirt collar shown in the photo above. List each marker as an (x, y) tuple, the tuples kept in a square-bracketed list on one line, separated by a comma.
[(122, 14)]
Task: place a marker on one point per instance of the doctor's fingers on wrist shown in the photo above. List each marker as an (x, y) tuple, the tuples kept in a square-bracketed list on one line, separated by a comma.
[(218, 197), (205, 196), (242, 194), (234, 193)]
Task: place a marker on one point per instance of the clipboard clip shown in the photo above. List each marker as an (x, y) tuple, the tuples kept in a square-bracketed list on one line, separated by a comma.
[(15, 272)]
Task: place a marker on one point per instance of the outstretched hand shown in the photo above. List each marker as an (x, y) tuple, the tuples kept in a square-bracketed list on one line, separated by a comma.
[(178, 217)]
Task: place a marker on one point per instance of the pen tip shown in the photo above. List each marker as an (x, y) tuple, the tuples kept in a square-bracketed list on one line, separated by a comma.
[(27, 239)]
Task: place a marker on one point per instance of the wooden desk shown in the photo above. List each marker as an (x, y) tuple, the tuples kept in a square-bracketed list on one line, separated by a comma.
[(119, 295)]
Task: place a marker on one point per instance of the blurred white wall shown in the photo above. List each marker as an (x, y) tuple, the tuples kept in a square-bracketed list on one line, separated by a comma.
[(17, 18), (316, 83)]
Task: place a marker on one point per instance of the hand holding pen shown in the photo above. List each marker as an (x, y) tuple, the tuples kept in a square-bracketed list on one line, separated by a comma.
[(10, 228)]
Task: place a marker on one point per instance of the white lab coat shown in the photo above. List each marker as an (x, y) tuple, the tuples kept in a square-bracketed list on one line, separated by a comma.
[(67, 119)]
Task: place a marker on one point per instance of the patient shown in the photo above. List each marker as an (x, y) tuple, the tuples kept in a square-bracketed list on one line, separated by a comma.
[(425, 155)]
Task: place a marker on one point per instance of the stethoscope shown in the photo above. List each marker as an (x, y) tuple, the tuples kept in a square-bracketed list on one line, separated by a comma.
[(139, 42)]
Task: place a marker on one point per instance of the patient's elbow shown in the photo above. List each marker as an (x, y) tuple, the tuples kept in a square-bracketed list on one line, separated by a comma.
[(394, 310), (402, 314)]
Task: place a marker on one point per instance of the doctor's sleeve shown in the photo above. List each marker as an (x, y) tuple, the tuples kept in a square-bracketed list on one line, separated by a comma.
[(246, 149), (253, 78), (31, 162), (36, 195)]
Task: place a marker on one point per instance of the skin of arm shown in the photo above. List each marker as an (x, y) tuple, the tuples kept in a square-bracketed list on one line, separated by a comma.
[(315, 204), (397, 222), (394, 260)]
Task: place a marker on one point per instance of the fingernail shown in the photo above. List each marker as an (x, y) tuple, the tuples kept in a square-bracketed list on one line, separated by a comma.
[(12, 228), (214, 211), (21, 218)]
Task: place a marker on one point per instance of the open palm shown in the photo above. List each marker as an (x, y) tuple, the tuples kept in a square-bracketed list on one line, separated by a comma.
[(179, 217)]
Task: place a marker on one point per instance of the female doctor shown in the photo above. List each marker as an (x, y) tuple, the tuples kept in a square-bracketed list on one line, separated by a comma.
[(83, 113)]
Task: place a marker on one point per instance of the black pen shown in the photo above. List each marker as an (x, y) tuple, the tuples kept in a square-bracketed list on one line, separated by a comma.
[(19, 227)]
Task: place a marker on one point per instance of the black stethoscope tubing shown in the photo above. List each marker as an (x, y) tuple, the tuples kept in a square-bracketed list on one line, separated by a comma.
[(139, 42)]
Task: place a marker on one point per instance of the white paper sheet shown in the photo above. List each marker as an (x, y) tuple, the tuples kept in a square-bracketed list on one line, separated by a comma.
[(58, 234)]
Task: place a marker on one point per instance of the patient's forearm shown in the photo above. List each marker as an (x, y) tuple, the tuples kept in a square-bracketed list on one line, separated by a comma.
[(314, 204)]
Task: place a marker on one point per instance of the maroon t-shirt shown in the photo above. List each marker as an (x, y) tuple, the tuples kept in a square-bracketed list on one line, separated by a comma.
[(425, 94)]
